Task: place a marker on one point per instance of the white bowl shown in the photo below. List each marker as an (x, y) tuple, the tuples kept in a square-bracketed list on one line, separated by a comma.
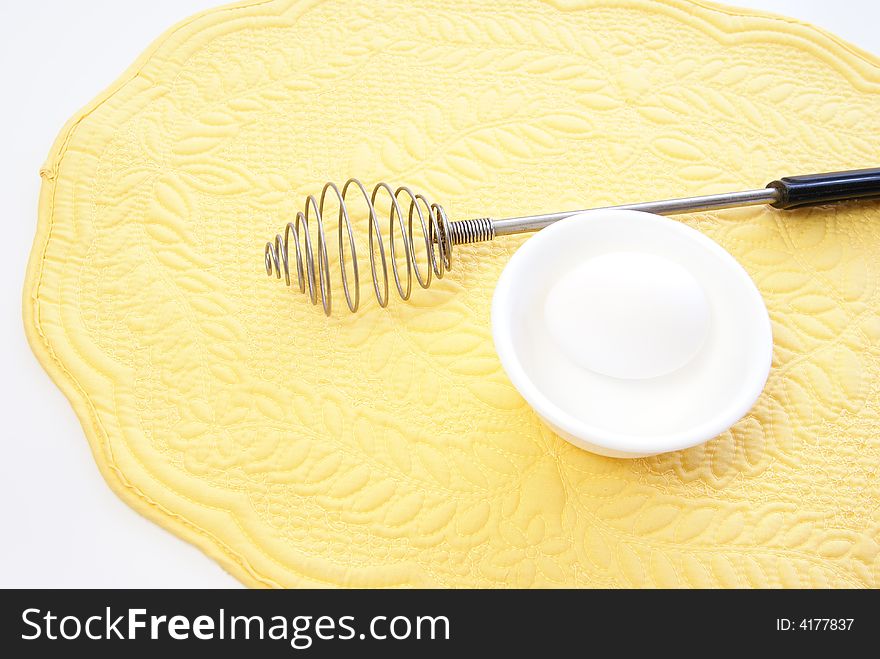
[(631, 334)]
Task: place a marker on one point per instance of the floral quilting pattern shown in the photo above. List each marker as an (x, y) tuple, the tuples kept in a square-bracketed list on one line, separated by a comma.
[(387, 448)]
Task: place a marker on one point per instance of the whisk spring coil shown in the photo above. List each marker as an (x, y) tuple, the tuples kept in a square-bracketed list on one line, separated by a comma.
[(471, 231), (313, 263)]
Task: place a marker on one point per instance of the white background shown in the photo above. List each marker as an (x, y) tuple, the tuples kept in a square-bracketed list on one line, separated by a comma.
[(61, 525)]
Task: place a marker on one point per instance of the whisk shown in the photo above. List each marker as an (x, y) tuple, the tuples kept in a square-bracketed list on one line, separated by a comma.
[(426, 221)]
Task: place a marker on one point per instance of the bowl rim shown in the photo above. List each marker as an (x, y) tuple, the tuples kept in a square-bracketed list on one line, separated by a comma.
[(502, 335)]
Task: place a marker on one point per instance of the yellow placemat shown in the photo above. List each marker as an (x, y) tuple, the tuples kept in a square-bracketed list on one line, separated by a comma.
[(387, 448)]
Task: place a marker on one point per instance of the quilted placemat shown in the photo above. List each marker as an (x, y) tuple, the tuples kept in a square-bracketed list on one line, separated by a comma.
[(387, 448)]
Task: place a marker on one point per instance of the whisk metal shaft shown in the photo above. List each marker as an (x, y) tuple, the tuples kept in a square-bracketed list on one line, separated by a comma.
[(529, 223), (486, 228)]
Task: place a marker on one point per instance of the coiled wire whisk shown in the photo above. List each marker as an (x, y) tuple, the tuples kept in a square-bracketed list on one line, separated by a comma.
[(421, 220), (439, 234)]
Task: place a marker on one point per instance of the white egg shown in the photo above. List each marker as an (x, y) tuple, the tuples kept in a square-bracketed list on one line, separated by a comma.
[(630, 315)]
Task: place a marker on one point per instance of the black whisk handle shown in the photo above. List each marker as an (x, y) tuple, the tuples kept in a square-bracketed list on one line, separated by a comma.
[(816, 189)]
